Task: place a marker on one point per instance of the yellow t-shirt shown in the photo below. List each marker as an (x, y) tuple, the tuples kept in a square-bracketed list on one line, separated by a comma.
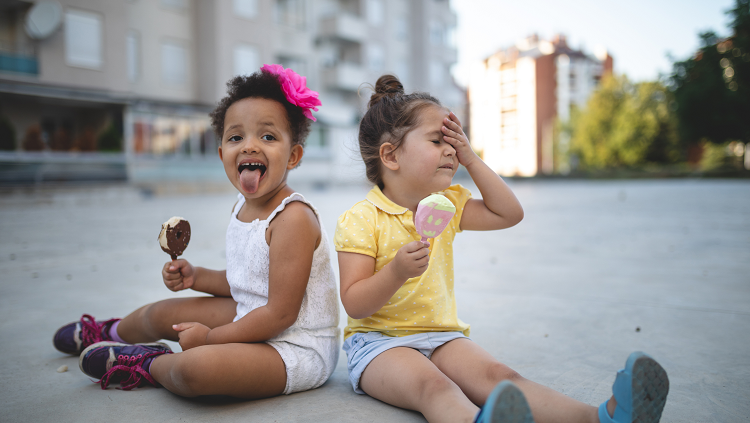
[(378, 227)]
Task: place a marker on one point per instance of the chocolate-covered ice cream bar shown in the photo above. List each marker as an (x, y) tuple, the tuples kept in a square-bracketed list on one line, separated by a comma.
[(174, 236)]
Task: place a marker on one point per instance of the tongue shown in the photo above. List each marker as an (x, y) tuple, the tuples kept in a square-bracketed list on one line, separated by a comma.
[(249, 180)]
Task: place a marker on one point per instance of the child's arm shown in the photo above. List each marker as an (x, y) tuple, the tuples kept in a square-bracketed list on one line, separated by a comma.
[(499, 208), (295, 233), (363, 292), (180, 274)]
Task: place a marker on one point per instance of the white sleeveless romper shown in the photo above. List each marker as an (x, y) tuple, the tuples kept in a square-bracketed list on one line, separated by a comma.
[(310, 347)]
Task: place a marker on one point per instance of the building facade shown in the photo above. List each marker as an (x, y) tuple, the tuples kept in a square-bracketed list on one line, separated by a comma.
[(130, 83), (517, 96)]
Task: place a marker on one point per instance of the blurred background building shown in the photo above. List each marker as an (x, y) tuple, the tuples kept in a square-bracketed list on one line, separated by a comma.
[(115, 89), (518, 96)]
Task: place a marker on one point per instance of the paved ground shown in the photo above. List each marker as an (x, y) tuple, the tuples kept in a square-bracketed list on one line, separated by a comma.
[(596, 270)]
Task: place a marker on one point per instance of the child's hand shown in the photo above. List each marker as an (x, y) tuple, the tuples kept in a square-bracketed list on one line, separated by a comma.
[(191, 334), (178, 275), (411, 260), (454, 135)]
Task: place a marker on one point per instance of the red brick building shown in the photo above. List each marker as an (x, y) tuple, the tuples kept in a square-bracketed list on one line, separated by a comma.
[(517, 95)]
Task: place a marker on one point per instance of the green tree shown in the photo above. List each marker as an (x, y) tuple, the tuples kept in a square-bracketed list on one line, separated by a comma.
[(110, 139), (624, 125), (7, 135), (712, 89)]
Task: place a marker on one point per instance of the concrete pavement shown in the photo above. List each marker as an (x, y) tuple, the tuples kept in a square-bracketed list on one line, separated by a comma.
[(597, 269)]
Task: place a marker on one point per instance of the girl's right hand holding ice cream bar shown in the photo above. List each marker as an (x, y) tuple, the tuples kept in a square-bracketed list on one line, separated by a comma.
[(432, 217), (178, 275), (411, 260)]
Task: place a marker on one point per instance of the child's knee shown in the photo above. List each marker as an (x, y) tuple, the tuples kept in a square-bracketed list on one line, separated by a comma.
[(186, 377), (435, 385), (149, 315), (153, 317), (498, 372)]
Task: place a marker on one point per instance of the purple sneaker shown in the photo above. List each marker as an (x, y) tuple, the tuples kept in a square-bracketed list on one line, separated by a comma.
[(113, 362), (75, 337)]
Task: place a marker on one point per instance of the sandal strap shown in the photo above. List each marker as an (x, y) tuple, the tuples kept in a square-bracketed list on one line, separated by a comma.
[(604, 414), (623, 392)]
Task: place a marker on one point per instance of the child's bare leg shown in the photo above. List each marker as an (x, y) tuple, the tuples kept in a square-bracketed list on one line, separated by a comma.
[(154, 321), (476, 372), (405, 378), (239, 370)]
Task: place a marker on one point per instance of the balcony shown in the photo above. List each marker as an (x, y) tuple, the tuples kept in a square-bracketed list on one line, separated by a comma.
[(344, 76), (344, 27), (16, 63)]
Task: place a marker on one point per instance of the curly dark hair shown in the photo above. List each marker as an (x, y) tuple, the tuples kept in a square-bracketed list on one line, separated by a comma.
[(260, 85)]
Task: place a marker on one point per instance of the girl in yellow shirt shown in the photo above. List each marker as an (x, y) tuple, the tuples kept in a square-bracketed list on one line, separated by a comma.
[(405, 344)]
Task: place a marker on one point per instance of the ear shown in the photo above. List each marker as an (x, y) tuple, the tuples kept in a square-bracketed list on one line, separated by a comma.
[(388, 156), (295, 157), (221, 154)]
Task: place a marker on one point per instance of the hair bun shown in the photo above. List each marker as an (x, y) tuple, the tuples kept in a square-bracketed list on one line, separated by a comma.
[(386, 86)]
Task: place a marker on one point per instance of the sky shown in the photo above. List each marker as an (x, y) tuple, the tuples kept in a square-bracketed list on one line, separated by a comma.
[(637, 33)]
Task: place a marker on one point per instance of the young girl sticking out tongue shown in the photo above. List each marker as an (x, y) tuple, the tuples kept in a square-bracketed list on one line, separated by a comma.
[(270, 324), (405, 344)]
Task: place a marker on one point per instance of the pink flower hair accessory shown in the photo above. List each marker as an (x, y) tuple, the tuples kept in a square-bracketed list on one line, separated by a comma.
[(295, 89)]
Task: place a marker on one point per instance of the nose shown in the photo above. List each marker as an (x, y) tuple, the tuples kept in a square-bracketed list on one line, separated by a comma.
[(449, 150), (249, 146)]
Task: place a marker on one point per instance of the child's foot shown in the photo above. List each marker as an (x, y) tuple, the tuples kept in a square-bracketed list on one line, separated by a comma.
[(506, 403), (76, 336), (113, 362), (640, 392)]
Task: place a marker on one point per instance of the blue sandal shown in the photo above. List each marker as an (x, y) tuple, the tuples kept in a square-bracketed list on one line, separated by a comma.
[(505, 403), (640, 390)]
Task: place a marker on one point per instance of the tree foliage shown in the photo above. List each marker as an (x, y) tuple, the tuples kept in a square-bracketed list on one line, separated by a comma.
[(110, 139), (624, 125), (7, 135), (712, 89)]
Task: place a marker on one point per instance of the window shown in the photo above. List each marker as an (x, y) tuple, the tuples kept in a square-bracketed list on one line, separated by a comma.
[(318, 137), (169, 134), (246, 8), (291, 13), (375, 57), (83, 39), (133, 48), (173, 62), (179, 5), (375, 12), (246, 59)]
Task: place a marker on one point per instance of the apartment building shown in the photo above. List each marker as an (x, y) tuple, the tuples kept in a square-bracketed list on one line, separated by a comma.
[(100, 85), (517, 95)]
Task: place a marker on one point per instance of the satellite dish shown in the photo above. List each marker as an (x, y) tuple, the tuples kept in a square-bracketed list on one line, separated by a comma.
[(43, 19)]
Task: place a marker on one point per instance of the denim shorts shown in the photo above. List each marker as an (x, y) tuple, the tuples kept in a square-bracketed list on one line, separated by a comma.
[(362, 348)]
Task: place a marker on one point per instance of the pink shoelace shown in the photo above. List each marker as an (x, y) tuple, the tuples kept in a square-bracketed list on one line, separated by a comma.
[(133, 366), (91, 330)]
